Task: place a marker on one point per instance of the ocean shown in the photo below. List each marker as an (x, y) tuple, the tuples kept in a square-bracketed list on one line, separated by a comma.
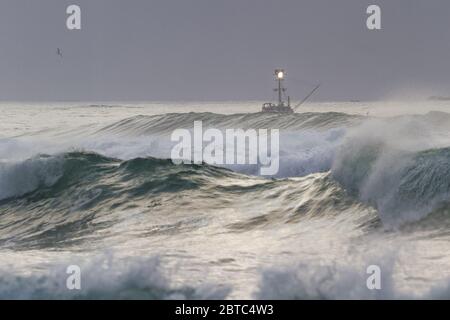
[(92, 185)]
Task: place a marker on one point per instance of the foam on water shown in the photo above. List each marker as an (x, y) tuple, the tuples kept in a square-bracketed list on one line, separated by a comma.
[(349, 187)]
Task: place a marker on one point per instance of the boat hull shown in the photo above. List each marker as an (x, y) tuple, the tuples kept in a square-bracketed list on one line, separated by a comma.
[(277, 109)]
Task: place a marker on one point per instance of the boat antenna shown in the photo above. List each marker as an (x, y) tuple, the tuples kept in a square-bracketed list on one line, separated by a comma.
[(308, 96), (280, 75)]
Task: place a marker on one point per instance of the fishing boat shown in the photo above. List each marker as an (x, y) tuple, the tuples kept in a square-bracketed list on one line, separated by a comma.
[(283, 106)]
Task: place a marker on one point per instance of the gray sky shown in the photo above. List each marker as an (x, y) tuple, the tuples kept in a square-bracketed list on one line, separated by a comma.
[(222, 49)]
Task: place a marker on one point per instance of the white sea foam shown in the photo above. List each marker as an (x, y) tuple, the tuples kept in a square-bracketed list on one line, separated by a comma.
[(292, 229), (19, 178), (103, 277)]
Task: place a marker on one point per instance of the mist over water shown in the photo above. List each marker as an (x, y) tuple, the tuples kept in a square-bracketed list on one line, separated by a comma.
[(92, 185)]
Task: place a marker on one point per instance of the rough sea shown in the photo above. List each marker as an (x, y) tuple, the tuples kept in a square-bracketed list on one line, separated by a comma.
[(92, 185)]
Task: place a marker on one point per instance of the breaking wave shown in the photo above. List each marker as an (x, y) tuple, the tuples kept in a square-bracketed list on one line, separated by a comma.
[(103, 278), (342, 178)]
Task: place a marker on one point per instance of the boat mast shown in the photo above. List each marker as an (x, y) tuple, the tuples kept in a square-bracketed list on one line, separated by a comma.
[(279, 73)]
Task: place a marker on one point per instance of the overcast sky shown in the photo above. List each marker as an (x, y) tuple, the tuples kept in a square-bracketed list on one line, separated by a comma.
[(222, 49)]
